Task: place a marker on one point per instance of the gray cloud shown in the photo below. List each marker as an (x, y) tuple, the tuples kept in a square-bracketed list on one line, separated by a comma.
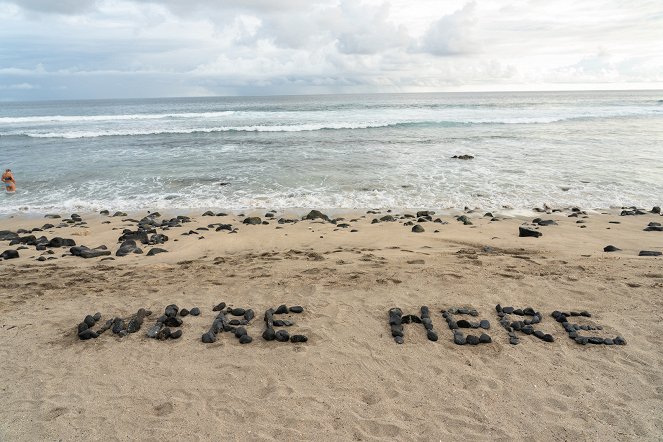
[(453, 34)]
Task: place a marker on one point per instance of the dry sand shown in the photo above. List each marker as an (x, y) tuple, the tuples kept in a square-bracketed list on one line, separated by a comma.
[(350, 381)]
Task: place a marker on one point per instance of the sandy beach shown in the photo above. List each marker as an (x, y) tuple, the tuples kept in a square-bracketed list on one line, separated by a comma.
[(350, 380)]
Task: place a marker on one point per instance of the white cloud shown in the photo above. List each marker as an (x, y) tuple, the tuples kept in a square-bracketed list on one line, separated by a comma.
[(172, 47)]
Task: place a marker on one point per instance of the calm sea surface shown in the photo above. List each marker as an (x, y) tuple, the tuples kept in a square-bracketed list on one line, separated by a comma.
[(592, 149)]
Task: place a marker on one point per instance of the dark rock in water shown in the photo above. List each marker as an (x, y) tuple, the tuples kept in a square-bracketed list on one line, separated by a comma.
[(485, 339), (281, 309), (9, 254), (316, 214), (459, 339), (649, 253), (208, 338), (525, 232), (269, 334), (282, 336), (156, 251), (252, 220), (172, 321), (296, 309), (217, 308), (245, 339), (611, 249), (195, 311), (88, 334), (656, 209), (298, 338), (463, 157), (417, 228), (431, 335), (238, 312)]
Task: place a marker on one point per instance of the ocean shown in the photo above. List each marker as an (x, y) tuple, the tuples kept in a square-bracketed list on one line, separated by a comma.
[(587, 149)]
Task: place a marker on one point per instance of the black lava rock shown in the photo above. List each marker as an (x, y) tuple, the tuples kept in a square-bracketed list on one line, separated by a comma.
[(282, 336), (237, 312), (89, 320), (525, 232), (459, 339), (9, 254), (472, 340), (209, 337), (485, 339), (649, 253), (431, 335), (252, 220), (194, 311), (172, 321), (269, 334), (239, 332), (245, 339), (298, 338), (155, 251), (281, 309), (485, 324), (417, 228), (184, 312), (219, 307), (296, 309), (87, 334)]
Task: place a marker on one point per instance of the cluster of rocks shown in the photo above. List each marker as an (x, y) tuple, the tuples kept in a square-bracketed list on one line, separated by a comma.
[(397, 319), (525, 326), (632, 211), (456, 325), (281, 335), (119, 326), (236, 326), (574, 329), (654, 227), (162, 328)]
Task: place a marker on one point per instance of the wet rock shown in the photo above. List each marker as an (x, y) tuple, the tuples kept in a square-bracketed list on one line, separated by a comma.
[(526, 232), (656, 209)]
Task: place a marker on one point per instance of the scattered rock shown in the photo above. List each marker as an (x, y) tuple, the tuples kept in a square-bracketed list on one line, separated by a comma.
[(526, 232), (644, 253), (156, 251), (9, 254), (611, 248), (463, 157), (417, 228), (252, 220)]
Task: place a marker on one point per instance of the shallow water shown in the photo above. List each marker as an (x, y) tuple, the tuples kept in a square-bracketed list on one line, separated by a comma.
[(592, 149)]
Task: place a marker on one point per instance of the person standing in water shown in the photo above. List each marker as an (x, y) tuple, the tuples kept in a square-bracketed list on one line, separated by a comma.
[(9, 181)]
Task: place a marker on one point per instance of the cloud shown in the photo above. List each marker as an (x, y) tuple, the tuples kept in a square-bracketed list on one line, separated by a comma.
[(55, 7), (453, 34)]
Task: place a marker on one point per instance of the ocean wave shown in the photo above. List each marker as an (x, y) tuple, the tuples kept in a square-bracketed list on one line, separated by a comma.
[(121, 117)]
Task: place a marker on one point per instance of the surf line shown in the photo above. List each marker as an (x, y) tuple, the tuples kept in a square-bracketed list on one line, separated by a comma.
[(517, 322)]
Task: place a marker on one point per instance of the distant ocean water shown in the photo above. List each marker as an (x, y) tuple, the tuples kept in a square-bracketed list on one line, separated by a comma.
[(592, 149)]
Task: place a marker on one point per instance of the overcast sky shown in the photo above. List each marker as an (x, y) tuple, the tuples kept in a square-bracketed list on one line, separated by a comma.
[(53, 49)]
